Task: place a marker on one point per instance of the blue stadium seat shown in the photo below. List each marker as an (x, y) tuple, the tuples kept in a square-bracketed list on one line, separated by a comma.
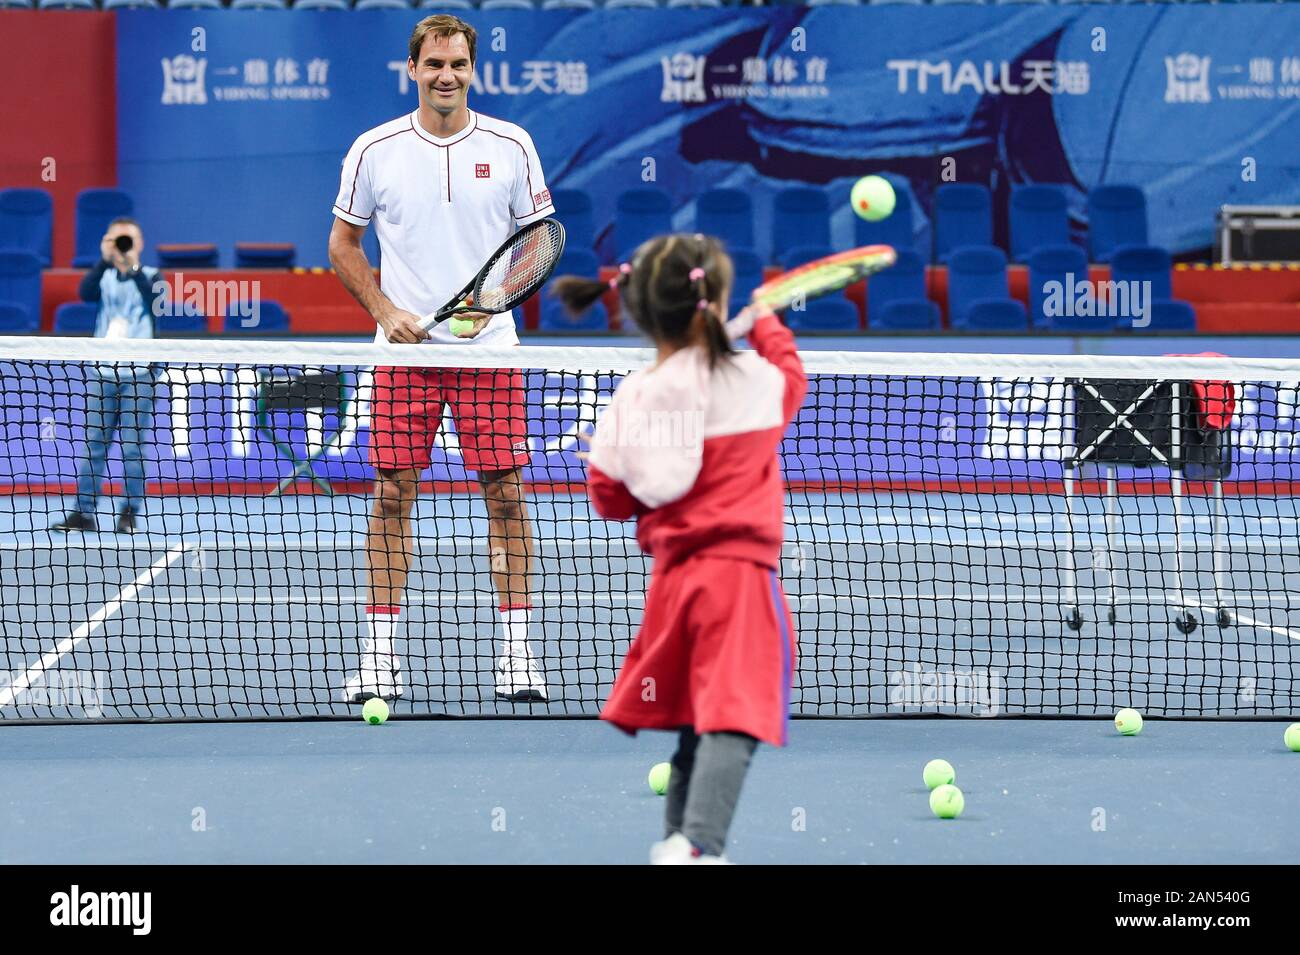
[(963, 215), (265, 255), (833, 3), (1117, 216), (978, 296), (896, 297), (271, 319), (938, 2), (831, 314), (132, 5), (445, 5), (194, 4), (895, 229), (188, 320), (877, 3), (749, 276), (727, 214), (506, 5), (67, 5), (187, 255), (384, 5), (1037, 219), (1149, 268), (631, 5), (568, 4), (694, 3), (800, 217), (574, 210), (20, 291), (75, 318), (321, 5), (96, 208), (1065, 267), (16, 320), (27, 222), (640, 214), (259, 4), (17, 4)]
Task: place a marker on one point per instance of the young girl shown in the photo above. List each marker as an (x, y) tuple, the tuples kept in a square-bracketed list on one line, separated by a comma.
[(689, 448)]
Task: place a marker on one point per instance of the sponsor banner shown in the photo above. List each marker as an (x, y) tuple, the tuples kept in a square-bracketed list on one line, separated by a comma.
[(209, 425), (235, 134)]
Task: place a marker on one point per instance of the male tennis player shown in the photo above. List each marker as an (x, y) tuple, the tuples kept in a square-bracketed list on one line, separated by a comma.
[(443, 186)]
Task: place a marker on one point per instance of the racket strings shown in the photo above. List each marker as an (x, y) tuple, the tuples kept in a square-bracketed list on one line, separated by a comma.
[(521, 267)]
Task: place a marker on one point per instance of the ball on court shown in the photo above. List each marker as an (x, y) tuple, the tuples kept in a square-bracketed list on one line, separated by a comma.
[(938, 772), (375, 711), (1128, 722), (1292, 737), (873, 198), (461, 326), (947, 802), (659, 774)]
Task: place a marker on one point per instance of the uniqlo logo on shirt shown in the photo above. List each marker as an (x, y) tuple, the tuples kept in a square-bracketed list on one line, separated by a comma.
[(542, 198), (482, 171)]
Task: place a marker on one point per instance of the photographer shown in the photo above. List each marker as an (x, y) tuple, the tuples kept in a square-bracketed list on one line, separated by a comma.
[(119, 398)]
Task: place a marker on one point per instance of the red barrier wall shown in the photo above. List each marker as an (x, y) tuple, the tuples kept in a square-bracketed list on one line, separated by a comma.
[(58, 84)]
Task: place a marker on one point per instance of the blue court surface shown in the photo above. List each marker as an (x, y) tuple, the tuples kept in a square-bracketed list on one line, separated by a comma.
[(905, 603), (514, 791)]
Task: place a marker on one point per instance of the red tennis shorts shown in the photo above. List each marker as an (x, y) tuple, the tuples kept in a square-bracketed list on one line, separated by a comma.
[(487, 405)]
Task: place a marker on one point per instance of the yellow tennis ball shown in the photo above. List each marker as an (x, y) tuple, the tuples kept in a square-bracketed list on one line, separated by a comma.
[(375, 711), (659, 775), (1128, 722), (1292, 737), (873, 198), (461, 326), (938, 772), (947, 802)]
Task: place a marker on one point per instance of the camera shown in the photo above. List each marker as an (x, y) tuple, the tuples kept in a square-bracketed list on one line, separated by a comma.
[(124, 243)]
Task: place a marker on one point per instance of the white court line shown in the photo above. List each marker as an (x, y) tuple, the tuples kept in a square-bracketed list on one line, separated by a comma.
[(1249, 621), (68, 643)]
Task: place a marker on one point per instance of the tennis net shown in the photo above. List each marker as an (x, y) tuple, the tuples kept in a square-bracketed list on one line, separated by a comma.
[(967, 535)]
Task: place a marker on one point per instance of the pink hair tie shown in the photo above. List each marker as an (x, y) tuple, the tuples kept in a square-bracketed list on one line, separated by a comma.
[(702, 304), (623, 270), (697, 273)]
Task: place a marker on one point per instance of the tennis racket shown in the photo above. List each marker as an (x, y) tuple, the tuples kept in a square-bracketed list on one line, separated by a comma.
[(823, 276), (512, 274)]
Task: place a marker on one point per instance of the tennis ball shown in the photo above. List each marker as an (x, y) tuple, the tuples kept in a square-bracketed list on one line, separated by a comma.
[(1292, 737), (659, 774), (375, 711), (873, 198), (461, 326), (938, 772), (1128, 722), (947, 802)]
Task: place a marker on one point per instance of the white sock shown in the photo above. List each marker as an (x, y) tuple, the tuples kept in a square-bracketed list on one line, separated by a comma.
[(514, 621), (381, 628)]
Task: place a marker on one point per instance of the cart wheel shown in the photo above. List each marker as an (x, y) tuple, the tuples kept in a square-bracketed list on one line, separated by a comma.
[(1074, 620), (1110, 617), (1185, 622), (1225, 618)]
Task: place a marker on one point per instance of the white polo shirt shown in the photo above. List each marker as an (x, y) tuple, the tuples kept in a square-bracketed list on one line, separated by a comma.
[(440, 207)]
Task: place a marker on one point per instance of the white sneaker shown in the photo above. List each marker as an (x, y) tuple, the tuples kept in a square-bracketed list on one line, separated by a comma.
[(380, 675), (677, 850), (519, 680)]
